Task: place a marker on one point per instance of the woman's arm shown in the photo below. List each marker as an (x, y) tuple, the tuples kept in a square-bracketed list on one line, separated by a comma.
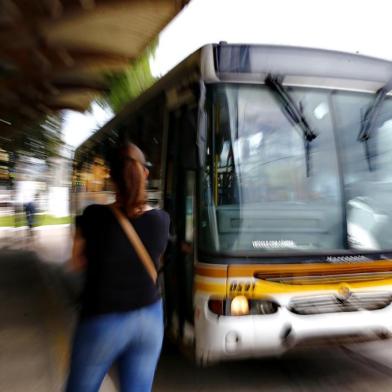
[(78, 258)]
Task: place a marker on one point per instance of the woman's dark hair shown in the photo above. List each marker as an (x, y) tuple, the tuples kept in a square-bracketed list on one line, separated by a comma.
[(127, 170)]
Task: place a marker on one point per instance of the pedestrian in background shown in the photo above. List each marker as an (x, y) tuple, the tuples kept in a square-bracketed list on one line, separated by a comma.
[(30, 213), (121, 319)]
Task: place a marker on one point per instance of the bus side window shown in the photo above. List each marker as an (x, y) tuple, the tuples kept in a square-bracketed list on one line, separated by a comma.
[(189, 206), (189, 159)]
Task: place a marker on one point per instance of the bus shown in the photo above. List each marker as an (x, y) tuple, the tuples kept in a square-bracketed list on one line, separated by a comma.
[(275, 165)]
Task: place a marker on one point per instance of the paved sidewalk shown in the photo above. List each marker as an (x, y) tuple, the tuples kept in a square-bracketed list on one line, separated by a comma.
[(35, 325), (52, 243), (28, 339)]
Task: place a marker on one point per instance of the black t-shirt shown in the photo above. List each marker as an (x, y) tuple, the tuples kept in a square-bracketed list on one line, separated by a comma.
[(116, 280)]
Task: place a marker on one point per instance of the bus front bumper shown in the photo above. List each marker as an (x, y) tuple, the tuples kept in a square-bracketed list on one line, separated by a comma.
[(230, 337)]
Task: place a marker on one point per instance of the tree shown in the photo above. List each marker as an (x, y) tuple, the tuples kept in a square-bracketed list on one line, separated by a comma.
[(127, 85), (40, 139)]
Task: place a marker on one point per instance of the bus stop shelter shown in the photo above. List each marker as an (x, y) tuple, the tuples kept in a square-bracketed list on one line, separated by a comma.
[(54, 54)]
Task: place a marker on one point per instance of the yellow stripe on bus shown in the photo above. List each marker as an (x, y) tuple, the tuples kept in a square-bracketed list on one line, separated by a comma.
[(260, 280), (211, 271), (273, 270), (211, 288), (264, 288)]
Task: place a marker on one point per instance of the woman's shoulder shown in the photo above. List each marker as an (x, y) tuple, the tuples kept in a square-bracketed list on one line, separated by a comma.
[(158, 212), (158, 215), (88, 217), (95, 210)]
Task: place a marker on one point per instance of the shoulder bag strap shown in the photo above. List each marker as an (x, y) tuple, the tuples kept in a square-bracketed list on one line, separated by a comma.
[(136, 242)]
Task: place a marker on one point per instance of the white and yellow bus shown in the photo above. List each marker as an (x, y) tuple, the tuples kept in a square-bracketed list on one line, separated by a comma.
[(275, 164)]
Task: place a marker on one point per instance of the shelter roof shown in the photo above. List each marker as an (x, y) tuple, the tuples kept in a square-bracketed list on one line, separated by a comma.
[(54, 53)]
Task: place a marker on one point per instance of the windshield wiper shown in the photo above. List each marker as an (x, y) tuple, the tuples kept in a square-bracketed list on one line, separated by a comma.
[(370, 118), (292, 112)]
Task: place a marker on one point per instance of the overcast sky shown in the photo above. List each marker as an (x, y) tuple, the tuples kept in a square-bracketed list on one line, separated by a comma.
[(78, 127), (361, 26)]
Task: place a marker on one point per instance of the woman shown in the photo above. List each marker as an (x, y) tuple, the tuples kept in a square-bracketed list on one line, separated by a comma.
[(121, 318)]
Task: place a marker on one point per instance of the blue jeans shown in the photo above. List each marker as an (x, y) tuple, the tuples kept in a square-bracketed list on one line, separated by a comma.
[(132, 339)]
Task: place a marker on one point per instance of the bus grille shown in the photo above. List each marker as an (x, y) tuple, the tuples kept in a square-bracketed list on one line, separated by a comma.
[(334, 304)]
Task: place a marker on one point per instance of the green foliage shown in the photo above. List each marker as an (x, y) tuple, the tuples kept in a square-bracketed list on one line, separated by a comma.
[(19, 220), (127, 85)]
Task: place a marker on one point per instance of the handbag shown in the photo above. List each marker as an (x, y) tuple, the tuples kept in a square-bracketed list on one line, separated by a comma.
[(136, 242)]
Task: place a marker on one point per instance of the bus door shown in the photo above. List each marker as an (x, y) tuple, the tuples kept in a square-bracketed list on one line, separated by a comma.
[(180, 203)]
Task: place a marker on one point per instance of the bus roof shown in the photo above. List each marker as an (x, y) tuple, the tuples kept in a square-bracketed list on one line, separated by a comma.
[(259, 60), (251, 63)]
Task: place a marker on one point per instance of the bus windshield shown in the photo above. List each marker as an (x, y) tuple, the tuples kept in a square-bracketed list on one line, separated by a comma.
[(265, 188)]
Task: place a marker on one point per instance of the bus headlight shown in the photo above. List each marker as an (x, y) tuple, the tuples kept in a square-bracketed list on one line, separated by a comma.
[(239, 306)]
